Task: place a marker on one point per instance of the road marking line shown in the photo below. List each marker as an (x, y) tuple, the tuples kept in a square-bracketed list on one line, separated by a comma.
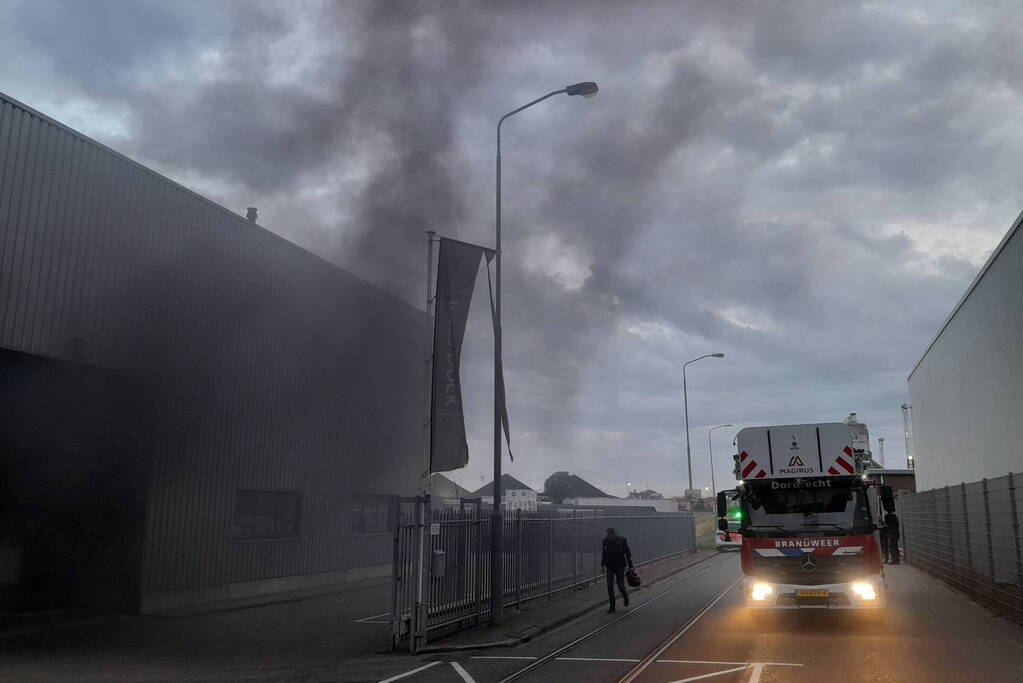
[(592, 659), (565, 648), (700, 661), (651, 658), (409, 673), (757, 669), (498, 657), (368, 620), (712, 675), (462, 672), (696, 661)]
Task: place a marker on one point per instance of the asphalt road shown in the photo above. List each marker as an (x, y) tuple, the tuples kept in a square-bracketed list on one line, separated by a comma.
[(692, 627), (689, 627)]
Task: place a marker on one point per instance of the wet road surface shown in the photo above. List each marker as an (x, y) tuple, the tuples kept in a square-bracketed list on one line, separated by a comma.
[(692, 627)]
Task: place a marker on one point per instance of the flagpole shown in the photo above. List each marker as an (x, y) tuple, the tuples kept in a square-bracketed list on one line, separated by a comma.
[(496, 516), (428, 391)]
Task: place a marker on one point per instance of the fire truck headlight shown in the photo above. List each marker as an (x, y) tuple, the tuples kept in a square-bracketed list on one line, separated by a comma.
[(760, 591), (864, 590)]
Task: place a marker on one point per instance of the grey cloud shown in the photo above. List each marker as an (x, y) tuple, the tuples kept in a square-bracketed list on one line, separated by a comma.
[(670, 186), (105, 43)]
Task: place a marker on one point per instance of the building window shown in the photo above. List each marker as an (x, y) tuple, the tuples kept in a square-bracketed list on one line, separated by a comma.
[(267, 515), (371, 514)]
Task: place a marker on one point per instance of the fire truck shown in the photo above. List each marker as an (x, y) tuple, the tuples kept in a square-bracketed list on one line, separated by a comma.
[(807, 519)]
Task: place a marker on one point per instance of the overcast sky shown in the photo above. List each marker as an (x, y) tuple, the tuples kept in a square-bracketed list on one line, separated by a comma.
[(807, 187)]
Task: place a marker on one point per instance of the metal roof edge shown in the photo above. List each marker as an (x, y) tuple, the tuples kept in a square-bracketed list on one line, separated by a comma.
[(969, 290), (85, 138)]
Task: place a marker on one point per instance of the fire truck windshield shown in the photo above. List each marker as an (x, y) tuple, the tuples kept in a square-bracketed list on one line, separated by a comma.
[(829, 511)]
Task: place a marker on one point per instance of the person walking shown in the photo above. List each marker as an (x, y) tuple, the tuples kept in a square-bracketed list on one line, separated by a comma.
[(614, 558), (891, 522)]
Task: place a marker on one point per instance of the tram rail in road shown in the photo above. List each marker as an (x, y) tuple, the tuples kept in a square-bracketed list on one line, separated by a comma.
[(557, 653), (673, 638), (693, 627)]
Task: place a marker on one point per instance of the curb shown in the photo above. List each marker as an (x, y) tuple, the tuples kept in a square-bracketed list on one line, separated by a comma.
[(540, 630)]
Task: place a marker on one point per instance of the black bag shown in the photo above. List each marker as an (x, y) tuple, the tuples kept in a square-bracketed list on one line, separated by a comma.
[(632, 578)]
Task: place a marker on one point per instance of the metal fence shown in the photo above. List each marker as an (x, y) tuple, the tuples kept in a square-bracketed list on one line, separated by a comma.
[(441, 579), (969, 535)]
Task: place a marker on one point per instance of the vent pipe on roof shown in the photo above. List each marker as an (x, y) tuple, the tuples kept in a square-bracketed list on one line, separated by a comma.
[(251, 215)]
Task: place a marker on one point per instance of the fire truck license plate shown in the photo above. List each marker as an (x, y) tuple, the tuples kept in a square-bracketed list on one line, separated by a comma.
[(815, 593)]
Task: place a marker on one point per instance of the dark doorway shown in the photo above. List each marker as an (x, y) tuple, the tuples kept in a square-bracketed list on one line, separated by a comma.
[(74, 454)]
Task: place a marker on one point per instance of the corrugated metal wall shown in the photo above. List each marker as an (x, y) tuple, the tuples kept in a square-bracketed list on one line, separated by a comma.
[(967, 390), (275, 369)]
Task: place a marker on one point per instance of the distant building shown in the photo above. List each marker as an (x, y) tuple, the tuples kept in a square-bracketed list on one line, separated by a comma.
[(577, 486), (901, 480), (966, 390), (521, 499), (861, 443), (444, 492), (658, 504), (514, 494), (649, 494)]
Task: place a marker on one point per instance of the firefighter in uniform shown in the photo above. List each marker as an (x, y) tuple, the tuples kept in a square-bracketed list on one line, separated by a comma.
[(891, 522), (882, 531)]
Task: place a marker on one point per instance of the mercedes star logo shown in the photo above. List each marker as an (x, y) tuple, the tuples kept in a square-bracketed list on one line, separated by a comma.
[(808, 563)]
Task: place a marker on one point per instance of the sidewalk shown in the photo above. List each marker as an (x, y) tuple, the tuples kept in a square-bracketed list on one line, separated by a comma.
[(279, 641), (545, 615)]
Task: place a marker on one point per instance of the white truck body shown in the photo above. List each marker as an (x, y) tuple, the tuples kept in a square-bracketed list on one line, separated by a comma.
[(788, 451)]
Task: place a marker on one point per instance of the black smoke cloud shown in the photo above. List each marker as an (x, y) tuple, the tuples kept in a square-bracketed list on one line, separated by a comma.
[(806, 186)]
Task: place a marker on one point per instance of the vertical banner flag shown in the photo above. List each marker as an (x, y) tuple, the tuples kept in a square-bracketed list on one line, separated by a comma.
[(457, 267)]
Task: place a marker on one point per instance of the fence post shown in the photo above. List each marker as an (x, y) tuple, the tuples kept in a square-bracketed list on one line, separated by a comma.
[(987, 524), (427, 553), (966, 526), (396, 577), (900, 510), (951, 536), (480, 561), (414, 632), (575, 549), (518, 558), (1015, 528), (550, 553)]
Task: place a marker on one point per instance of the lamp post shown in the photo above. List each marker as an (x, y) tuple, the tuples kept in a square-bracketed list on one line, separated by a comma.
[(586, 89), (685, 403), (710, 447), (907, 432)]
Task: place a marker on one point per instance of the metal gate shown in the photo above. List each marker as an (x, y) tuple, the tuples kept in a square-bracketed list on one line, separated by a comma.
[(406, 590), (441, 579)]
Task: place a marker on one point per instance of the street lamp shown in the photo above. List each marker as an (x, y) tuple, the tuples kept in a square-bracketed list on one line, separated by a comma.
[(710, 447), (685, 403), (586, 89)]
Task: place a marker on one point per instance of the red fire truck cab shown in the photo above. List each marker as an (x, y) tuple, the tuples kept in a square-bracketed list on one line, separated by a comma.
[(809, 537)]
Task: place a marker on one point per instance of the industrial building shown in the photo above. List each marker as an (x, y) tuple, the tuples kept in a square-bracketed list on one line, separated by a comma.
[(196, 412), (967, 389)]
